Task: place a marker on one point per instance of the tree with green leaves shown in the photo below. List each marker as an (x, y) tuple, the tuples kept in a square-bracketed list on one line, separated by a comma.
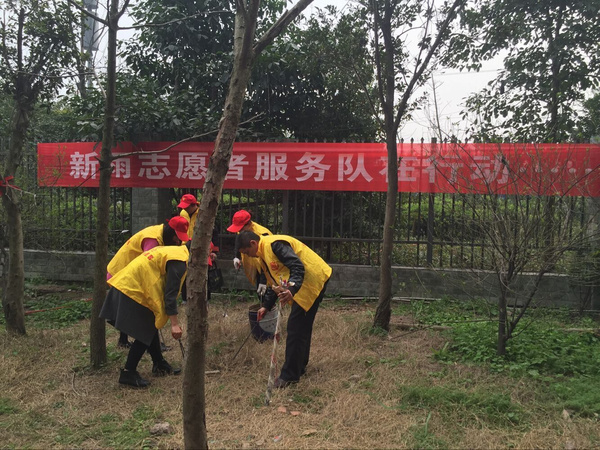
[(176, 76), (552, 60), (38, 44), (589, 125), (310, 84)]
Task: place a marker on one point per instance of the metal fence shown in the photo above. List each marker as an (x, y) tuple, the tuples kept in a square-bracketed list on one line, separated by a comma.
[(434, 230)]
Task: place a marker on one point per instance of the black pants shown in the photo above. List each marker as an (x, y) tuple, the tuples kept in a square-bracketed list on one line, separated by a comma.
[(137, 349), (299, 335)]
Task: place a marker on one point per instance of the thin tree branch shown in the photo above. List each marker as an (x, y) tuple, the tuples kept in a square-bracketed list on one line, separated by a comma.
[(286, 18), (432, 50), (88, 13), (175, 144)]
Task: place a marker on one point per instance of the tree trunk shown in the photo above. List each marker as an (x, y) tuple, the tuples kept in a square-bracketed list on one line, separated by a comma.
[(194, 420), (194, 406), (502, 318), (384, 306), (12, 301), (97, 326)]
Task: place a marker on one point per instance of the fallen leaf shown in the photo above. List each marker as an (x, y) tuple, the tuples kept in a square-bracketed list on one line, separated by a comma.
[(295, 413), (282, 409), (309, 432)]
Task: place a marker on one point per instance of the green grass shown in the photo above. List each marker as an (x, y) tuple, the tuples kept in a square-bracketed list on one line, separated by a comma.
[(6, 407), (493, 408), (580, 395), (55, 312), (424, 439)]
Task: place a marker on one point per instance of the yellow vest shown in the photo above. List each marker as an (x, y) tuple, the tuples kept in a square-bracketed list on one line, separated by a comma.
[(316, 271), (144, 279), (191, 220), (133, 248), (252, 265)]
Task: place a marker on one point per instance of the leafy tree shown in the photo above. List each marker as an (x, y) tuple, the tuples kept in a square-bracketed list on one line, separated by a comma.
[(310, 85), (37, 44), (552, 59), (296, 87), (589, 126)]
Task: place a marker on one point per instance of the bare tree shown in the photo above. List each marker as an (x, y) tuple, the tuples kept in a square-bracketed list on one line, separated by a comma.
[(396, 71), (245, 50), (519, 229)]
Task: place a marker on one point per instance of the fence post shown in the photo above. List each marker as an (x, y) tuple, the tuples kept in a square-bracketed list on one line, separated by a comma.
[(149, 206), (285, 213), (430, 213)]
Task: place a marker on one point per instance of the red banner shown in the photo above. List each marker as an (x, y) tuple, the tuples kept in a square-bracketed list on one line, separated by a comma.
[(545, 169)]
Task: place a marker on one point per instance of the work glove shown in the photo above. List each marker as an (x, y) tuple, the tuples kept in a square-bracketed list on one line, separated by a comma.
[(262, 288), (237, 263)]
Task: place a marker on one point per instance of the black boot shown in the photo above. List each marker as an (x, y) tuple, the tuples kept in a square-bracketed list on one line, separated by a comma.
[(163, 368), (132, 378)]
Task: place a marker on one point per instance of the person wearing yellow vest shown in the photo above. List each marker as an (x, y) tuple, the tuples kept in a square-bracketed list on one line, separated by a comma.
[(142, 241), (189, 210), (284, 258), (242, 221), (142, 298)]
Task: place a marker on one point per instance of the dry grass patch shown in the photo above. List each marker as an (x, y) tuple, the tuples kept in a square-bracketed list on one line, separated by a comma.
[(360, 391)]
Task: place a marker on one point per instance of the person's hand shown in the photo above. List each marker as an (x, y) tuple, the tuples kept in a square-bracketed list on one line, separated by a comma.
[(262, 288), (237, 263), (176, 332), (213, 256), (285, 297), (261, 313)]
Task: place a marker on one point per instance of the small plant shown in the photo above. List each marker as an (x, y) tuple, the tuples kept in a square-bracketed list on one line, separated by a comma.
[(424, 439)]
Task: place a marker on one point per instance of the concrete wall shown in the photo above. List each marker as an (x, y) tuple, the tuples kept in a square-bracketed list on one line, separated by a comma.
[(346, 281)]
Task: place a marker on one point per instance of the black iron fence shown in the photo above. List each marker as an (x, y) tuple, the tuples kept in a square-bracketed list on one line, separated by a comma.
[(436, 230)]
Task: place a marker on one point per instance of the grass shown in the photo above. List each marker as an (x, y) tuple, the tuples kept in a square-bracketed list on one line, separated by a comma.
[(418, 389)]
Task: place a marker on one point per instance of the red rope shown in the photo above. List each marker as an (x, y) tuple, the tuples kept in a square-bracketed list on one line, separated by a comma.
[(4, 185)]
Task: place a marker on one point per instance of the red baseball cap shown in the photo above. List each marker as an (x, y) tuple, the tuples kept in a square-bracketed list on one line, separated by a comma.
[(187, 200), (240, 218), (180, 225)]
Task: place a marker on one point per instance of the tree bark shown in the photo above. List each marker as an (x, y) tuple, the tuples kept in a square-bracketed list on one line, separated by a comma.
[(383, 312), (12, 301), (194, 405), (97, 325)]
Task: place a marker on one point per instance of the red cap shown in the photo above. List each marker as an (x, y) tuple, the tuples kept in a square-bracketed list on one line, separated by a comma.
[(187, 200), (240, 218), (180, 225)]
